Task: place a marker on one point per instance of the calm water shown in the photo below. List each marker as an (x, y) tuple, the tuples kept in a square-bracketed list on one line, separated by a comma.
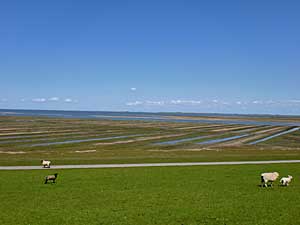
[(274, 135), (142, 116), (219, 140)]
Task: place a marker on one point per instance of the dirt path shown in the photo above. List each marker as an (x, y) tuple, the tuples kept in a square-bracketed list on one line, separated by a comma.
[(36, 132), (146, 165), (232, 128), (140, 139)]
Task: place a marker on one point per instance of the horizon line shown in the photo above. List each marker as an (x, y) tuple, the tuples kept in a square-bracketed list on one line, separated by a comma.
[(162, 112)]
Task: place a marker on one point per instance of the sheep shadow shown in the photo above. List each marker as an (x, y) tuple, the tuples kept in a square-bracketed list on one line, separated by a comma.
[(49, 183), (263, 186), (271, 186)]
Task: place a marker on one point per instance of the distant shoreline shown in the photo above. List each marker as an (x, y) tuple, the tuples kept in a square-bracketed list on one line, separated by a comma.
[(161, 117), (189, 114)]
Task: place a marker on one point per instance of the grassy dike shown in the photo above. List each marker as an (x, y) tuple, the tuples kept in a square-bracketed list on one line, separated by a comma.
[(166, 196)]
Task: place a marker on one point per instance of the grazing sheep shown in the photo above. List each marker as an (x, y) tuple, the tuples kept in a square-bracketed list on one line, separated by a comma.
[(268, 177), (285, 181), (51, 177), (46, 163)]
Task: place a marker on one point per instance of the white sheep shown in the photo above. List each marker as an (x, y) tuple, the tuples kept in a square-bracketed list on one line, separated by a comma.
[(46, 163), (285, 181), (268, 177)]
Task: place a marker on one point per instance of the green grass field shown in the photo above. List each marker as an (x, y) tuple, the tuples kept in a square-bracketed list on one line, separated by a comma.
[(138, 196)]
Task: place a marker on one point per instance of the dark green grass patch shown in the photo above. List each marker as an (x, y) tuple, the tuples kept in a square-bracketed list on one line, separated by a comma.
[(173, 195)]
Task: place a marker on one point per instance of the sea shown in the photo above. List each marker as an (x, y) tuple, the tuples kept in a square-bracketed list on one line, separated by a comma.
[(149, 116)]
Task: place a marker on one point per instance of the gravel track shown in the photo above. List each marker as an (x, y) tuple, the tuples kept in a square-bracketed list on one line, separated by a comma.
[(145, 165)]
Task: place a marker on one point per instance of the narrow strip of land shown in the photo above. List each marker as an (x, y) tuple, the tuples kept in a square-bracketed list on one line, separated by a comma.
[(146, 165)]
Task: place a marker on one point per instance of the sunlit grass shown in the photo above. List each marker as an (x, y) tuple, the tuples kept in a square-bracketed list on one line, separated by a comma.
[(175, 195)]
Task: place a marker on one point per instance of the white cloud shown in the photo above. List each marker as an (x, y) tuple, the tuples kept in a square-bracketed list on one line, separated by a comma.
[(162, 103), (133, 89), (269, 102), (176, 102), (225, 103), (214, 103), (68, 100), (257, 102), (185, 102), (54, 99), (294, 101), (39, 100), (279, 103), (274, 103), (155, 102), (146, 103), (179, 102), (134, 103)]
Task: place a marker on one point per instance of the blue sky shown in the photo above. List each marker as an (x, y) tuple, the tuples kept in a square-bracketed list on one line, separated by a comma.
[(188, 56)]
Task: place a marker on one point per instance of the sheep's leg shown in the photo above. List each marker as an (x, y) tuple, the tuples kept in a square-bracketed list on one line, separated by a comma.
[(46, 181)]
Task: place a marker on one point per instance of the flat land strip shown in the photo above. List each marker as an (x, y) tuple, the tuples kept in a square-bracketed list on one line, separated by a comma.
[(27, 140)]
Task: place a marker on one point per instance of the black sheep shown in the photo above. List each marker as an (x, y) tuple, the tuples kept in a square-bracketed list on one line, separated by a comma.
[(51, 177)]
